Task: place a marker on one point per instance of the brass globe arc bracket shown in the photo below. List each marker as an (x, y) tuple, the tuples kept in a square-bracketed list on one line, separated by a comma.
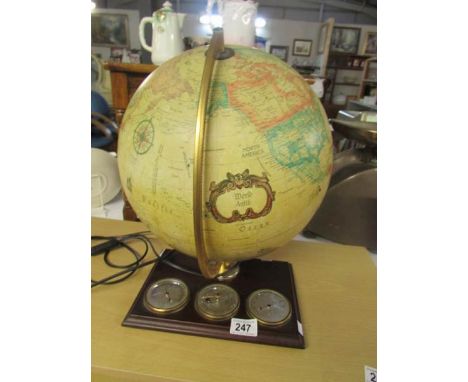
[(221, 52), (216, 51)]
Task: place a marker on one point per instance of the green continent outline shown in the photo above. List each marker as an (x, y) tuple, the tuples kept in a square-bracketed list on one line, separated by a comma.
[(218, 98), (297, 143)]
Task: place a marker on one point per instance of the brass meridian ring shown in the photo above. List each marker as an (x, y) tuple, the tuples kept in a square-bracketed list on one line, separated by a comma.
[(209, 268)]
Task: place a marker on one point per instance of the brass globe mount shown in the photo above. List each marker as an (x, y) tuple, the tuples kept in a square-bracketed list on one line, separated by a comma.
[(216, 51)]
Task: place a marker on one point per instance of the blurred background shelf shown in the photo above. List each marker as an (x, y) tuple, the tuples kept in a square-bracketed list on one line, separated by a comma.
[(338, 65), (369, 78)]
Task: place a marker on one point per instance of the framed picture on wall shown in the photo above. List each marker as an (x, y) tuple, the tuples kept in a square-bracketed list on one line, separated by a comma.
[(345, 40), (280, 51), (322, 38), (370, 43), (109, 30), (302, 47)]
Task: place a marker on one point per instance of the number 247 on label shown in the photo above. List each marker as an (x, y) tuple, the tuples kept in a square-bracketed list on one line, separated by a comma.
[(243, 327)]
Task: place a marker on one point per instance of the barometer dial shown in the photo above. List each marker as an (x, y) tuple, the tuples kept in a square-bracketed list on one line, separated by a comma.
[(167, 296)]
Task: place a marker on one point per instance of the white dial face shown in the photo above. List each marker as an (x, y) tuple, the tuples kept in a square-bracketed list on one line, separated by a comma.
[(167, 295), (269, 307)]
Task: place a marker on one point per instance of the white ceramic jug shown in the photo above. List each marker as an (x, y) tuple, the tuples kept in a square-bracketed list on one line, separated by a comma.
[(238, 20), (317, 87), (167, 40)]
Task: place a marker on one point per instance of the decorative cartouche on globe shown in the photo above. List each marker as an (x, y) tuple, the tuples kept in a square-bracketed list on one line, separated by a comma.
[(267, 154)]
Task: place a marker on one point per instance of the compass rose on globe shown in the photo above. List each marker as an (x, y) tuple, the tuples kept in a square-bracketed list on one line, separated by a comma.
[(143, 137)]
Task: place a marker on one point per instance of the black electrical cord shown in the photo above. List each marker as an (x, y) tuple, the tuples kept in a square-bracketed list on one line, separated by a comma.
[(114, 242), (180, 268)]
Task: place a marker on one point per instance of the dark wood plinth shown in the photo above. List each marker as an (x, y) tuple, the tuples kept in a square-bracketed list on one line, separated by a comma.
[(254, 274)]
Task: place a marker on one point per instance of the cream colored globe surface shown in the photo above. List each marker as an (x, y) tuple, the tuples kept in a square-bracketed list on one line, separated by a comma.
[(267, 160)]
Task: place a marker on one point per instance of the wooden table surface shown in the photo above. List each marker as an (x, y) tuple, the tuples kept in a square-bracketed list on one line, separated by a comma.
[(336, 288)]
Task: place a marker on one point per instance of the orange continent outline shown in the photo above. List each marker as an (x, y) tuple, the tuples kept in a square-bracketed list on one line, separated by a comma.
[(260, 75)]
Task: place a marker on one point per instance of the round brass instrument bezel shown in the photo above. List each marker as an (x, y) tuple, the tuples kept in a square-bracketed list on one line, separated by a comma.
[(177, 307), (251, 314), (220, 317)]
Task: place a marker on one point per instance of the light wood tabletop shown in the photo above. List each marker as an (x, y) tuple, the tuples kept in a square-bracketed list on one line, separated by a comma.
[(336, 288)]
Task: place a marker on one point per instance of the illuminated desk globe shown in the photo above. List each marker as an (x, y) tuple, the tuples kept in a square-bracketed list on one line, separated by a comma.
[(266, 162)]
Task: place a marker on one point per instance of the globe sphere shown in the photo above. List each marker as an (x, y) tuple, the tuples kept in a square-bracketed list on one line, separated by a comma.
[(267, 158)]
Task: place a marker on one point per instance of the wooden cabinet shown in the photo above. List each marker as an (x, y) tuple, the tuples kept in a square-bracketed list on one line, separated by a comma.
[(125, 79)]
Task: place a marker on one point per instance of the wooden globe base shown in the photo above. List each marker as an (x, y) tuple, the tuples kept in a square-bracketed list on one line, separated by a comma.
[(253, 275)]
